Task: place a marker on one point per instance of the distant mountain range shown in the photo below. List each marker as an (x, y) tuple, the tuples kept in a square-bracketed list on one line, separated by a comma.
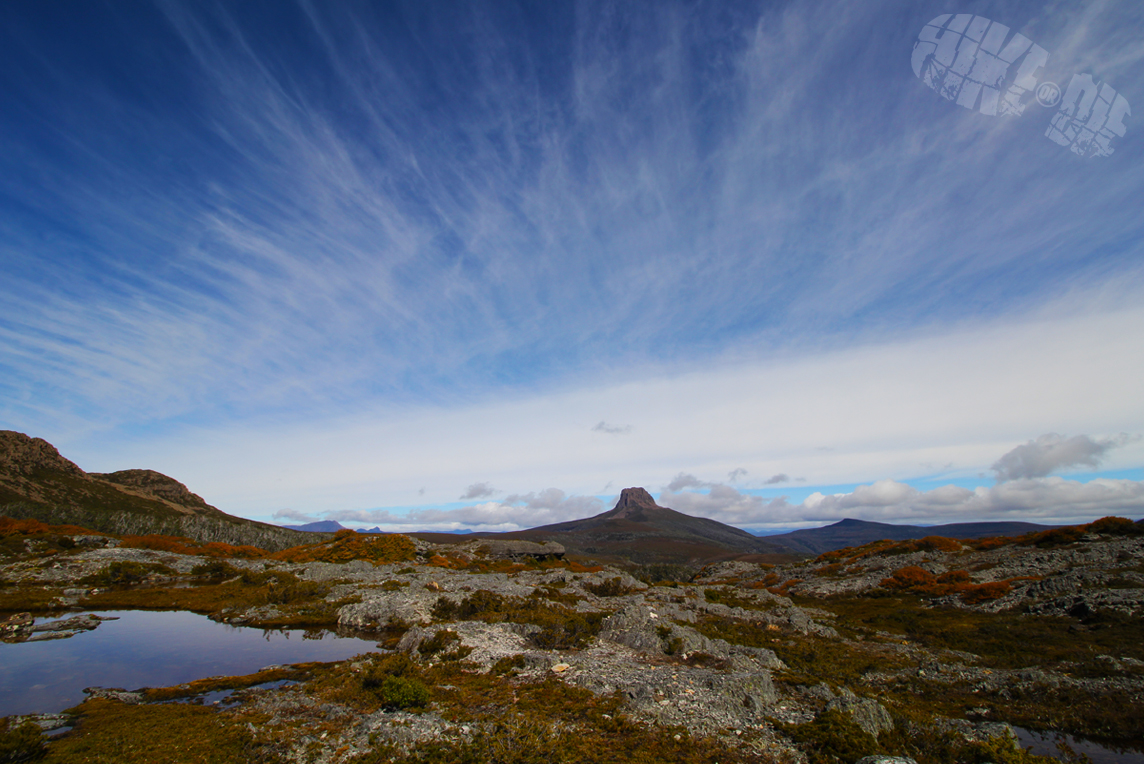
[(640, 530), (36, 481), (845, 533)]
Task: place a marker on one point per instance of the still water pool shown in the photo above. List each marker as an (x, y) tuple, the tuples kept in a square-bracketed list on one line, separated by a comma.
[(151, 649), (1045, 744)]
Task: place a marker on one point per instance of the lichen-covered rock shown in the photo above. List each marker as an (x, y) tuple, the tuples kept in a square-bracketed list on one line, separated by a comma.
[(486, 643), (409, 606), (868, 714), (512, 549)]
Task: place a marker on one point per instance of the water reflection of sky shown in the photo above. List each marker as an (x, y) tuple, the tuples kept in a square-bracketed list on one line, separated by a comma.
[(1045, 744), (150, 649)]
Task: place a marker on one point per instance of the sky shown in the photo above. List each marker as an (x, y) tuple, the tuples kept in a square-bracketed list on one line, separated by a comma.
[(433, 265)]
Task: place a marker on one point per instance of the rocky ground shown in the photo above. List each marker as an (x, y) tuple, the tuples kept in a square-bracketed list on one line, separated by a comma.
[(927, 649)]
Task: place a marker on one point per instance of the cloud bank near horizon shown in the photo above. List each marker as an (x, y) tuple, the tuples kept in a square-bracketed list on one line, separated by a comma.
[(1040, 499), (1048, 500)]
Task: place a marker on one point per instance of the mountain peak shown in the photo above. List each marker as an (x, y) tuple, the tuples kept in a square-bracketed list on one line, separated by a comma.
[(155, 484), (632, 503), (21, 454)]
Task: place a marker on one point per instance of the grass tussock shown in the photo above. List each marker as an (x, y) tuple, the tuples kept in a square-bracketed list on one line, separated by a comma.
[(22, 743), (110, 731)]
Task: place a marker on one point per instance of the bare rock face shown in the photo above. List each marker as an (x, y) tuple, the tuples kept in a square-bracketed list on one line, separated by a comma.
[(24, 455), (413, 606), (156, 484), (632, 503), (868, 714), (514, 550)]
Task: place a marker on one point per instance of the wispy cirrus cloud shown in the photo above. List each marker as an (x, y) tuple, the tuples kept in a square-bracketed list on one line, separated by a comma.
[(330, 227), (568, 198)]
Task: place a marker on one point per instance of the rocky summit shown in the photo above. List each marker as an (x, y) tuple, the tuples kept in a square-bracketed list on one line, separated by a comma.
[(637, 529), (932, 651)]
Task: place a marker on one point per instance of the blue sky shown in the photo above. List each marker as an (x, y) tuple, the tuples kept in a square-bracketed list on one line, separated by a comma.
[(433, 265)]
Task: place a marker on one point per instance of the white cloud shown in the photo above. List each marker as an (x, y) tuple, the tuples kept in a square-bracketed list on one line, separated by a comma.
[(518, 511), (1049, 500), (1052, 452), (293, 514), (478, 491), (611, 429)]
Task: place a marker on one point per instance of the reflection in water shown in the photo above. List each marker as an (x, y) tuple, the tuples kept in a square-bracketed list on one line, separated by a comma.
[(1045, 744), (150, 649)]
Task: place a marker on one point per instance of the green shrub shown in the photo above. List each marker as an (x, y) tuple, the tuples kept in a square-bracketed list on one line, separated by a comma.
[(124, 573), (399, 694), (832, 738), (215, 570), (508, 665), (393, 680), (25, 743)]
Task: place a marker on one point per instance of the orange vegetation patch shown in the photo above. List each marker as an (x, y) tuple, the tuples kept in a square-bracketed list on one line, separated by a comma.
[(920, 581), (1108, 526), (784, 589), (183, 545), (348, 545), (11, 527), (927, 544)]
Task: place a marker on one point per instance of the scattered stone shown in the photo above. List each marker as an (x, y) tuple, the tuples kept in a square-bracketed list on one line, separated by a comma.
[(114, 693), (868, 714)]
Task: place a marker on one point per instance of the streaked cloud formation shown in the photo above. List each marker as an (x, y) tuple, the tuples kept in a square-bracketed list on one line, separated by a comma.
[(363, 259)]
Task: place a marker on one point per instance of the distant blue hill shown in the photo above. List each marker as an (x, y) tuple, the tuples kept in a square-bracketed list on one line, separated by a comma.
[(376, 529), (847, 533), (322, 526)]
